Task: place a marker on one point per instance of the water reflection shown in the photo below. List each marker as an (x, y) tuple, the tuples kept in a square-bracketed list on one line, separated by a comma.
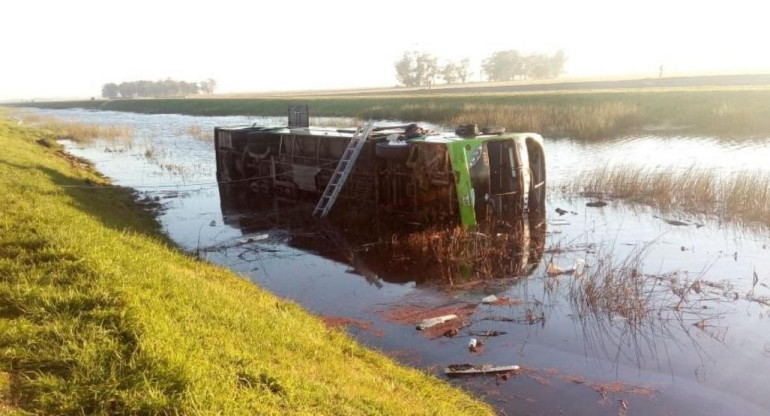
[(388, 251)]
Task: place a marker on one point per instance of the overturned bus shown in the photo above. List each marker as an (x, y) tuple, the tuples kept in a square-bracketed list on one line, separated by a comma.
[(403, 172)]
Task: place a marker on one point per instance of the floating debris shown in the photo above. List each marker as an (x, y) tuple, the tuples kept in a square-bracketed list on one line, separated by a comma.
[(489, 299), (417, 313), (474, 345), (451, 332), (253, 238), (488, 333), (677, 223), (470, 369), (431, 322), (596, 204)]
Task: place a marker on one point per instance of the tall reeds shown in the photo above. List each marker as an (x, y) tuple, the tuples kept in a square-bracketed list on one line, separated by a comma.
[(580, 121), (199, 133), (742, 196), (80, 131)]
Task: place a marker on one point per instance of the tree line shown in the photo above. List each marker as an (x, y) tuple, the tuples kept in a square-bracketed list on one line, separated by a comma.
[(416, 69), (163, 88), (511, 64)]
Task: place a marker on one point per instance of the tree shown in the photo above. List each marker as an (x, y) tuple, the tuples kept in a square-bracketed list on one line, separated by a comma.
[(557, 62), (127, 89), (163, 88), (415, 69), (449, 72), (405, 69), (537, 66), (504, 65), (427, 69), (507, 65), (464, 70), (208, 86), (110, 91)]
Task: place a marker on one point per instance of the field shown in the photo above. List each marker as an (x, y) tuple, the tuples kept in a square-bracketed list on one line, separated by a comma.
[(101, 314), (583, 114)]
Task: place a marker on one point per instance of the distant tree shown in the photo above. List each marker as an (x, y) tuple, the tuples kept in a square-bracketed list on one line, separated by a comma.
[(208, 86), (449, 72), (557, 62), (110, 91), (464, 70), (127, 90), (188, 88), (504, 65), (143, 88), (416, 69), (510, 64), (537, 65), (405, 69), (427, 69)]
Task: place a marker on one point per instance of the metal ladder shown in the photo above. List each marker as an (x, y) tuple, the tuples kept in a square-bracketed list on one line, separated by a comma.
[(344, 167)]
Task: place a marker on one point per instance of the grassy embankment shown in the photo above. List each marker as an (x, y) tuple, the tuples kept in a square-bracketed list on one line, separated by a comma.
[(581, 114), (100, 314)]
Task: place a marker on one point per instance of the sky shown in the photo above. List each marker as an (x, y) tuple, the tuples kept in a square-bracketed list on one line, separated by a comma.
[(68, 49)]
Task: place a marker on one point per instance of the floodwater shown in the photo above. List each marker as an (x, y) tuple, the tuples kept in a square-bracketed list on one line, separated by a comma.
[(699, 349)]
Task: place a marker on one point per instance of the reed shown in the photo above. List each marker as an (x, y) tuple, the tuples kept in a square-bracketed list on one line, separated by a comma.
[(199, 133), (742, 196), (613, 288), (580, 121), (80, 131)]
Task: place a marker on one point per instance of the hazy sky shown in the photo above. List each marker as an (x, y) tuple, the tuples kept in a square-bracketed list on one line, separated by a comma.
[(71, 48)]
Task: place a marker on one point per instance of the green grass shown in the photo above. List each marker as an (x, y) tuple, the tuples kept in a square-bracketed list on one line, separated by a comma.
[(586, 115), (100, 314)]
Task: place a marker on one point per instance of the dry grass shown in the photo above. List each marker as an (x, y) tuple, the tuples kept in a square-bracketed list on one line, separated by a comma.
[(199, 133), (175, 168), (80, 131), (742, 196), (581, 121), (615, 289)]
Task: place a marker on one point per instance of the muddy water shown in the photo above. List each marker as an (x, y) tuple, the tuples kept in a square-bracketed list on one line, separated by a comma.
[(708, 355)]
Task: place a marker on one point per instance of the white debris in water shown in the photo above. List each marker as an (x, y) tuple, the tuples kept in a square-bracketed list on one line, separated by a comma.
[(489, 299), (251, 239), (431, 322)]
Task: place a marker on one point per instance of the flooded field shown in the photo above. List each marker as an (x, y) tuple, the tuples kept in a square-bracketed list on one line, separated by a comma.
[(616, 309)]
